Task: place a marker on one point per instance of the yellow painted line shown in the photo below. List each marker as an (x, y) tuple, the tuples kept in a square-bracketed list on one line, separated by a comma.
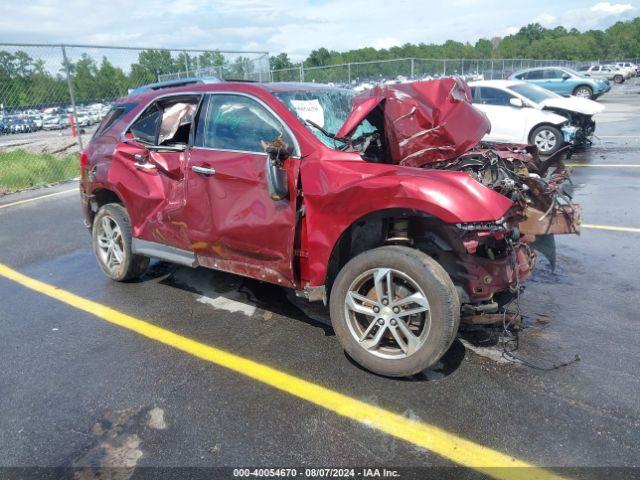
[(612, 228), (452, 447), (33, 199), (604, 165)]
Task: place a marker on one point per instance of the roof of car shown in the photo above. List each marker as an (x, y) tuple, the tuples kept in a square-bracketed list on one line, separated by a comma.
[(495, 83), (538, 68), (144, 94)]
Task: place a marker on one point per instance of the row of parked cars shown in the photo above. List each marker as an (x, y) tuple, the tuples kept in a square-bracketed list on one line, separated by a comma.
[(54, 118)]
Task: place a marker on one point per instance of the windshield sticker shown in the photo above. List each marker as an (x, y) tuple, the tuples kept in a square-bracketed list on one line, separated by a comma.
[(309, 110)]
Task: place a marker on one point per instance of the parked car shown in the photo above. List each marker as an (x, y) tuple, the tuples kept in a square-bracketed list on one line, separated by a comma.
[(563, 81), (631, 67), (521, 112), (20, 125), (385, 205), (52, 122), (610, 72)]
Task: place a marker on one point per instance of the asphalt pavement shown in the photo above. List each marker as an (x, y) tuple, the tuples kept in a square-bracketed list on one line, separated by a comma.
[(76, 390)]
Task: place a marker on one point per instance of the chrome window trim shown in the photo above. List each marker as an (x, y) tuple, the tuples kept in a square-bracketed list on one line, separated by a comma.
[(296, 145)]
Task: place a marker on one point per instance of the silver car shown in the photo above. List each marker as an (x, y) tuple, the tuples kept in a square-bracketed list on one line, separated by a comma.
[(610, 72)]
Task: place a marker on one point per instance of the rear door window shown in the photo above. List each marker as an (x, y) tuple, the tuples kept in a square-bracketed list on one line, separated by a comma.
[(493, 96), (534, 75)]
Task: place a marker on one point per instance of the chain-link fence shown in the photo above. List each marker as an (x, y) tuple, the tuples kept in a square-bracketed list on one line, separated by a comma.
[(52, 97), (357, 73)]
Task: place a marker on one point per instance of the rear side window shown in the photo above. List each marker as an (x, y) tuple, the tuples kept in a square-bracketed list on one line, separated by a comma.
[(145, 128), (111, 117), (235, 122), (534, 75)]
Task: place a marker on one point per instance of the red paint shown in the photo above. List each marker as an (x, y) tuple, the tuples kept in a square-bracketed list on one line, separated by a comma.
[(230, 222), (424, 122)]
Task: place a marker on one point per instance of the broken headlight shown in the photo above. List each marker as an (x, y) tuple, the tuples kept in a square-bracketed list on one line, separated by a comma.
[(569, 133), (496, 226)]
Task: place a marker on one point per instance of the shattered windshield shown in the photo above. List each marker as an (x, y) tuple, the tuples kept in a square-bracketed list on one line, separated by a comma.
[(328, 108), (533, 92)]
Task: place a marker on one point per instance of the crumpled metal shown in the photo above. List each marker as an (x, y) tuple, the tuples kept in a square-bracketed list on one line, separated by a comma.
[(424, 122)]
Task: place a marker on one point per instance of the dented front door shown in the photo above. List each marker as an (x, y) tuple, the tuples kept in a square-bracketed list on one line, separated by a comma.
[(233, 223)]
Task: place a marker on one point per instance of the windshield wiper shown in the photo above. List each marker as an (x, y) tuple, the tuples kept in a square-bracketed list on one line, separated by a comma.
[(325, 132)]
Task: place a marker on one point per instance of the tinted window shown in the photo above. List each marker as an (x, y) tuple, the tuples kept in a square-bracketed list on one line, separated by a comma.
[(584, 68), (146, 127), (534, 75), (553, 73), (493, 96), (235, 122), (520, 76), (475, 94)]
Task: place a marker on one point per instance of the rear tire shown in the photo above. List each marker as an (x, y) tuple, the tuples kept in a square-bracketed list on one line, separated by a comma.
[(375, 325), (618, 79), (547, 138), (111, 239)]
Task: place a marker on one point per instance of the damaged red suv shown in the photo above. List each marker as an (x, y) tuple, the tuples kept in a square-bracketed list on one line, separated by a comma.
[(385, 205)]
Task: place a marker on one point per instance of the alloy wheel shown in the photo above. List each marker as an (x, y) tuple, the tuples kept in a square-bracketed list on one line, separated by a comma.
[(110, 244), (583, 93), (387, 313), (545, 140)]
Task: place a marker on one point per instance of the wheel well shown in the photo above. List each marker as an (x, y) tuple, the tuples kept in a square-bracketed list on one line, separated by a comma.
[(583, 85), (386, 227), (99, 198)]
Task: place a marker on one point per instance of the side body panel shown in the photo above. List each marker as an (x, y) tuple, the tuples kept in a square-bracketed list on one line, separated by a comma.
[(342, 188)]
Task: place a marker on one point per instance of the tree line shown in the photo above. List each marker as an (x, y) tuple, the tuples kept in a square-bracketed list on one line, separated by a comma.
[(619, 41), (26, 81)]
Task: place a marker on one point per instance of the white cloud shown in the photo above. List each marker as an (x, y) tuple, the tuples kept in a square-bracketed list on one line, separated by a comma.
[(292, 26), (385, 42), (611, 8), (545, 19)]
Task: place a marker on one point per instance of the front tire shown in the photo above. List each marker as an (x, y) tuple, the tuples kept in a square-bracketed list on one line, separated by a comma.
[(395, 310), (111, 239), (618, 79), (547, 138), (583, 91)]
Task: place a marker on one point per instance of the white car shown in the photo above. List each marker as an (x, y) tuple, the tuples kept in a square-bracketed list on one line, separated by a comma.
[(521, 112), (630, 67)]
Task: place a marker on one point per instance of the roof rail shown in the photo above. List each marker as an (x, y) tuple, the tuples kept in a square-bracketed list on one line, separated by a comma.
[(181, 82)]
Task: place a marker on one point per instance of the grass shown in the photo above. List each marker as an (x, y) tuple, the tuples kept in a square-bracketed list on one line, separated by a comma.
[(20, 169)]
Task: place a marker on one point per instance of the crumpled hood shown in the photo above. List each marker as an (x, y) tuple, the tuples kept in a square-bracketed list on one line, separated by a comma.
[(424, 122), (573, 104)]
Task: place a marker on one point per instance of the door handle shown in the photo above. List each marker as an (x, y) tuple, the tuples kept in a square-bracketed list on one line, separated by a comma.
[(203, 170), (145, 166)]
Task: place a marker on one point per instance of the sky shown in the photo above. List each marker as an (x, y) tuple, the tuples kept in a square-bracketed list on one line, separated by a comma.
[(292, 26)]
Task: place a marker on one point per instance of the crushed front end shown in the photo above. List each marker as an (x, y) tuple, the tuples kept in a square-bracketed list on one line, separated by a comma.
[(432, 125)]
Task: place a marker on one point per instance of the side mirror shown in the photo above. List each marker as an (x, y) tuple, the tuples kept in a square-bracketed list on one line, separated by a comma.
[(516, 102), (566, 76), (277, 153)]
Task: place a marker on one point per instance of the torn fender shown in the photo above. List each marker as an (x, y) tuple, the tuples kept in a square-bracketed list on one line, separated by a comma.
[(338, 193)]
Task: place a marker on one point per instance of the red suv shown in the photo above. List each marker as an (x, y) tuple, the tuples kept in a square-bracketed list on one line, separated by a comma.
[(385, 205)]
